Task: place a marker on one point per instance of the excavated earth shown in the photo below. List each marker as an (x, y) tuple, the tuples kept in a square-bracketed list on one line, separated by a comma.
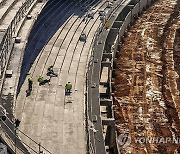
[(147, 82)]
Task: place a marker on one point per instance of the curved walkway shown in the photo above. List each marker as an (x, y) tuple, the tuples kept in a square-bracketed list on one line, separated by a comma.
[(48, 115)]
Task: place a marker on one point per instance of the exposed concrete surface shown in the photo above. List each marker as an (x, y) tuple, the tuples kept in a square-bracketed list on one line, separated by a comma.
[(99, 140), (48, 115), (10, 84), (9, 87)]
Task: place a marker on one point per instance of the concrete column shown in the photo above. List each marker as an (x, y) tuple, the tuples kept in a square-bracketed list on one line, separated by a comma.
[(110, 135)]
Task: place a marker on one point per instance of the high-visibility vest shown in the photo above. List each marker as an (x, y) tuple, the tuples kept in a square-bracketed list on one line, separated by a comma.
[(30, 80), (50, 69), (41, 79), (68, 86)]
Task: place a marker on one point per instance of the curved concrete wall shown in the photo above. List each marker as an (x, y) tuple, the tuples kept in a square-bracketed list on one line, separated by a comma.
[(6, 43), (129, 19), (101, 79), (6, 47), (97, 144)]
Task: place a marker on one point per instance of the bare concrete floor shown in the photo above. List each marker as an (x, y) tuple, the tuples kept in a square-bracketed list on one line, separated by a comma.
[(48, 115)]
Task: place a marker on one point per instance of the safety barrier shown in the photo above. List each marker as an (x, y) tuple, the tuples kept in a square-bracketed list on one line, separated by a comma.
[(103, 82), (15, 144), (6, 43), (96, 139), (9, 8), (6, 46)]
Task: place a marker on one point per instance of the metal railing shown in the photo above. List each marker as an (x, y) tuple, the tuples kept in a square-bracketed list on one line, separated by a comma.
[(90, 147), (6, 43), (12, 130)]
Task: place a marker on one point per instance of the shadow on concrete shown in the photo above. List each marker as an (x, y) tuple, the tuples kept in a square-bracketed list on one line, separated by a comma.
[(51, 18)]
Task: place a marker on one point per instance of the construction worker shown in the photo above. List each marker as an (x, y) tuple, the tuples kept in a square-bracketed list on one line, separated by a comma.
[(41, 80), (68, 87), (50, 71), (30, 82)]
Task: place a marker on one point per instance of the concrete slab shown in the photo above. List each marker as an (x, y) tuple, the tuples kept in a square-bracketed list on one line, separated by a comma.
[(61, 124)]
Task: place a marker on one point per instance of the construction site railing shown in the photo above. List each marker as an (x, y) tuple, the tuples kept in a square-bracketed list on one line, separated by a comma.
[(13, 131), (7, 40)]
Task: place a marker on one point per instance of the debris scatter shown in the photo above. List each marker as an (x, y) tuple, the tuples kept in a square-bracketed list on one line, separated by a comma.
[(147, 82)]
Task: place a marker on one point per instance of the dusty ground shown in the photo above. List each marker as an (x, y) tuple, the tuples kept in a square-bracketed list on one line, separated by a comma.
[(148, 83)]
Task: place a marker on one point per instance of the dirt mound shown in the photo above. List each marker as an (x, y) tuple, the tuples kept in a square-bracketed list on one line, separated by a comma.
[(147, 82)]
